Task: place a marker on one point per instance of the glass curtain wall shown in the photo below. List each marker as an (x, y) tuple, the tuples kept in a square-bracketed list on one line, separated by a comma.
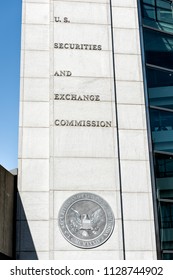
[(157, 20)]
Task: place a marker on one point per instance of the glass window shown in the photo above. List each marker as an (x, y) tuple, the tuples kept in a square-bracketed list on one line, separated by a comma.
[(165, 15), (165, 4), (162, 130), (167, 256), (164, 165), (158, 48), (149, 12), (158, 14), (161, 120), (166, 225), (160, 87), (151, 2), (164, 175)]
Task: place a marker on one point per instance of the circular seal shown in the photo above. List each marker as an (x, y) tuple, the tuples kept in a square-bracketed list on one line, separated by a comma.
[(86, 220)]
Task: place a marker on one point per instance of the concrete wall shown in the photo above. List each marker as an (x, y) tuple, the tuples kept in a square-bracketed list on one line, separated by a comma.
[(7, 192)]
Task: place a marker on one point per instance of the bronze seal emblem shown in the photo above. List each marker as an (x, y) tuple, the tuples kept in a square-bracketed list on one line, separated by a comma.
[(86, 220)]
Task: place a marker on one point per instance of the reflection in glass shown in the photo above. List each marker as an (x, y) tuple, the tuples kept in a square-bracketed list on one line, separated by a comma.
[(160, 87), (158, 45), (149, 12), (161, 120), (166, 225), (158, 14), (164, 11), (167, 256), (158, 48), (164, 175), (162, 130), (151, 2)]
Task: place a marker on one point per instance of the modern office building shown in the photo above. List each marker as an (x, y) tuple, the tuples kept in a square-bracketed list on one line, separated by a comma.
[(96, 142), (157, 24)]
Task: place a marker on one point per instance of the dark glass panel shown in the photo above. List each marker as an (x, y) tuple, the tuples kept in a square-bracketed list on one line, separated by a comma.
[(167, 256), (149, 12), (160, 25), (162, 130), (165, 4), (166, 225), (164, 175), (158, 14), (150, 2), (158, 48), (160, 87), (165, 15)]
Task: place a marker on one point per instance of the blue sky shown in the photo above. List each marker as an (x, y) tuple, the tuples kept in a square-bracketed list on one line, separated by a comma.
[(10, 27)]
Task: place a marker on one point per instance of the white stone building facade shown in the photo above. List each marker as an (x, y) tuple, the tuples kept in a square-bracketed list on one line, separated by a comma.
[(83, 126)]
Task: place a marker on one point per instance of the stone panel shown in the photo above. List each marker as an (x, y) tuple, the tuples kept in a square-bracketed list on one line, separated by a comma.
[(129, 92), (36, 37), (35, 143), (85, 174), (112, 197), (124, 17), (132, 71), (93, 34), (34, 236), (39, 112), (135, 176), (36, 64), (36, 206), (93, 111), (83, 11), (143, 234), (131, 117), (36, 13), (36, 89), (79, 63), (39, 181), (84, 142), (85, 86), (126, 41), (137, 206), (113, 243), (124, 3), (133, 144)]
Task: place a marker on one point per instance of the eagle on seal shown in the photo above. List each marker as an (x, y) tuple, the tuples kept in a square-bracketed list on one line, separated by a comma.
[(86, 221)]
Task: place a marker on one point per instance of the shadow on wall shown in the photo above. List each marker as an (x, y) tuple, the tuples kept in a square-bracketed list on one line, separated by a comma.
[(25, 249)]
